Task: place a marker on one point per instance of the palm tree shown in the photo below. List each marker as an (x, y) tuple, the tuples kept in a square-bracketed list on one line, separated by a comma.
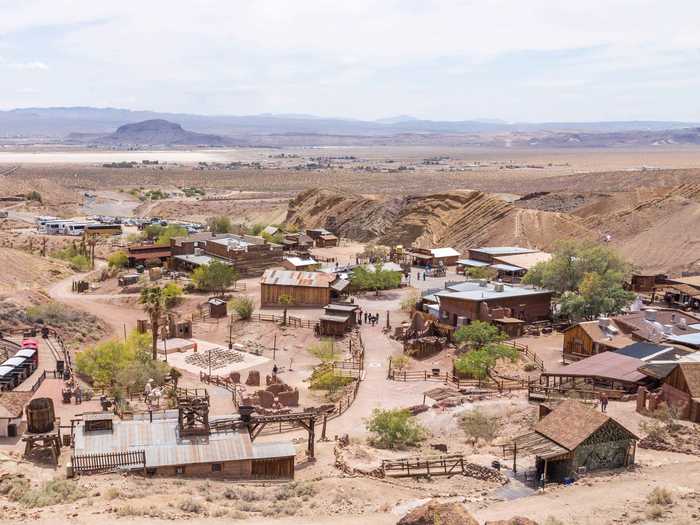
[(153, 301), (285, 300)]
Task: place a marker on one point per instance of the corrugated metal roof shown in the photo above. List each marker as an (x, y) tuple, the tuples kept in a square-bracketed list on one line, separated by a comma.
[(199, 260), (506, 267), (283, 449), (293, 278), (524, 260), (298, 261), (472, 262), (162, 443), (444, 252), (608, 365), (473, 291), (687, 339), (503, 250)]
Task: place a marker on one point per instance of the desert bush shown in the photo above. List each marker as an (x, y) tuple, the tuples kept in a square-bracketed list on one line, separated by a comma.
[(325, 378), (192, 506), (34, 196), (529, 367), (52, 493), (394, 429), (408, 303), (399, 361), (295, 490), (118, 260), (52, 313), (243, 306), (654, 512), (220, 224), (112, 493), (654, 429), (14, 487), (324, 350), (478, 425), (172, 293), (660, 496)]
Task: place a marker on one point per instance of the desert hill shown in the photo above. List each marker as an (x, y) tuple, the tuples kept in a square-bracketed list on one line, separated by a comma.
[(656, 229), (155, 132)]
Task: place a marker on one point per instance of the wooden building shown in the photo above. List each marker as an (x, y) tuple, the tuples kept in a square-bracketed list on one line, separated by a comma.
[(646, 282), (337, 319), (11, 409), (304, 288), (573, 439), (433, 257), (140, 254), (593, 337), (681, 388), (161, 448), (469, 301), (217, 308), (298, 242), (300, 265), (511, 263)]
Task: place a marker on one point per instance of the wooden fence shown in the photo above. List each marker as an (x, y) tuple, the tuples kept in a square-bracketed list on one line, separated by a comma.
[(426, 466), (525, 350), (94, 463), (501, 384)]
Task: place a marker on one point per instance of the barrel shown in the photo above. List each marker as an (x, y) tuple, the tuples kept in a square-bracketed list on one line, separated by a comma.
[(40, 416)]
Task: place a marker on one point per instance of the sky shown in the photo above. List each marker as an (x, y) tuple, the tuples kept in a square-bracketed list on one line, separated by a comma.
[(516, 60)]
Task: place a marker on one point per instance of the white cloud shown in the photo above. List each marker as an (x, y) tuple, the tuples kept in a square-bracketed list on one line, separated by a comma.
[(361, 58)]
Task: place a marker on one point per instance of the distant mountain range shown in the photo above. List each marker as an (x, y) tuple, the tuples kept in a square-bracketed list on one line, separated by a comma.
[(98, 125)]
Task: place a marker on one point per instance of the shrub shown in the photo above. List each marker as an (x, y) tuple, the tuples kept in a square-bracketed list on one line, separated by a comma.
[(34, 196), (112, 493), (478, 425), (220, 224), (529, 367), (14, 487), (399, 361), (243, 306), (118, 260), (172, 293), (214, 277), (654, 429), (477, 363), (324, 350), (52, 493), (394, 429), (553, 521), (325, 378), (660, 496), (408, 303), (80, 263), (192, 506), (654, 512)]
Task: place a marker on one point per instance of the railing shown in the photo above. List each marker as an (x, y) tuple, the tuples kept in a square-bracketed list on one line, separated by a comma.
[(426, 466), (94, 463), (541, 392), (525, 350), (446, 377)]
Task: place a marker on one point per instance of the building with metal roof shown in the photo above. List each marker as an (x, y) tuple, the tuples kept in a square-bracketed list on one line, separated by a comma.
[(224, 453), (303, 288)]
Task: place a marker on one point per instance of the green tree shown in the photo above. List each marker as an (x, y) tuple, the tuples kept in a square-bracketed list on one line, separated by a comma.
[(172, 293), (220, 224), (153, 301), (103, 362), (285, 300), (170, 231), (379, 279), (588, 277), (243, 306), (215, 277), (479, 334), (394, 429), (478, 362), (482, 272), (118, 260), (34, 196)]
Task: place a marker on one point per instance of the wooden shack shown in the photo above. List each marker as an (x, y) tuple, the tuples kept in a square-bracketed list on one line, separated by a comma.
[(217, 308), (681, 388), (140, 254), (572, 439), (337, 319), (593, 337), (303, 288), (432, 257)]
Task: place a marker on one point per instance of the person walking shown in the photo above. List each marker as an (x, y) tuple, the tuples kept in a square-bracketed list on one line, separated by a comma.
[(603, 402)]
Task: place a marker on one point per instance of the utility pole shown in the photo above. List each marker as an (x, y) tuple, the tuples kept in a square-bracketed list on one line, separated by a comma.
[(274, 349), (230, 329)]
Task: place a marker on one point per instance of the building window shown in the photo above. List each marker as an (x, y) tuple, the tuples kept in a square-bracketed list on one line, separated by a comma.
[(216, 467), (179, 471)]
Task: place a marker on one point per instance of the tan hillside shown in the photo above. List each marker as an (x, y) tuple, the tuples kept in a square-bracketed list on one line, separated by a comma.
[(22, 271)]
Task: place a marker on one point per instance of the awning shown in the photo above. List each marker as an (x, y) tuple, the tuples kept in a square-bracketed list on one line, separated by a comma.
[(149, 255), (472, 262), (534, 444), (507, 268)]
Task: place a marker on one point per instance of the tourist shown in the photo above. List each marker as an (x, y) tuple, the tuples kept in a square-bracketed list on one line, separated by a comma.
[(603, 402)]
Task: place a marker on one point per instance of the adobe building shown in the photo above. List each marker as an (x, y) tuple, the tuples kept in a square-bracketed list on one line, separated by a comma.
[(469, 301)]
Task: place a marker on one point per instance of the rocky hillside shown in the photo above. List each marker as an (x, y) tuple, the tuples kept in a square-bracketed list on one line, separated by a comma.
[(460, 219), (656, 229)]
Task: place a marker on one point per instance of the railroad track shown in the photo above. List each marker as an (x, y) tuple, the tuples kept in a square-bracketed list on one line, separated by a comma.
[(54, 348)]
